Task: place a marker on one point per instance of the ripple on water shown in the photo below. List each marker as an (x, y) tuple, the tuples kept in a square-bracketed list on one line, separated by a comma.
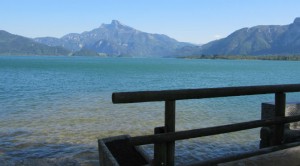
[(53, 109)]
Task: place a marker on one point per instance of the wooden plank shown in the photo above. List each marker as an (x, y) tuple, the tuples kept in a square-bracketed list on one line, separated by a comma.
[(170, 127), (246, 155), (160, 149), (171, 95), (280, 101), (180, 135)]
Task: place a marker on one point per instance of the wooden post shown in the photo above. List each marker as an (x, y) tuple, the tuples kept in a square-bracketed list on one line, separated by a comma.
[(159, 149), (280, 101), (170, 127)]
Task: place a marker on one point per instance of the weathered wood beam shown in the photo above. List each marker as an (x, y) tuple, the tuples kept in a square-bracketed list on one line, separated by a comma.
[(187, 134), (171, 95)]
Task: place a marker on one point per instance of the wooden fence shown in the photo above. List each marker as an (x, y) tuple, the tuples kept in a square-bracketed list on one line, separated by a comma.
[(165, 137)]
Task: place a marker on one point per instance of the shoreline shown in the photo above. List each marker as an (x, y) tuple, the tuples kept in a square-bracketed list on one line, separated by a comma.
[(245, 57)]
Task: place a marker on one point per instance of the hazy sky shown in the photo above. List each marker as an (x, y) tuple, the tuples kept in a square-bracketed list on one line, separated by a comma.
[(196, 21)]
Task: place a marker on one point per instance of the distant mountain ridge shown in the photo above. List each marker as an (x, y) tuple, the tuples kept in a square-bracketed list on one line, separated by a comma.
[(258, 40), (11, 44), (116, 39), (119, 40)]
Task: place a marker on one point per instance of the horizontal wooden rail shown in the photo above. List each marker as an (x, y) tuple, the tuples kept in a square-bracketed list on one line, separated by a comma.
[(171, 95), (187, 134), (165, 155)]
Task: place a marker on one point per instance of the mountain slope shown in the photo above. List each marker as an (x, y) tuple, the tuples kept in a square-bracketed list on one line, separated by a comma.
[(17, 45), (258, 40), (289, 42), (116, 39)]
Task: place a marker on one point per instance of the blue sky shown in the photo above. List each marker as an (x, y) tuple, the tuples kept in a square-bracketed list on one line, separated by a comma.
[(196, 21)]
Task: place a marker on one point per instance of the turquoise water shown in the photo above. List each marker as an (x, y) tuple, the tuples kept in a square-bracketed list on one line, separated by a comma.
[(57, 107)]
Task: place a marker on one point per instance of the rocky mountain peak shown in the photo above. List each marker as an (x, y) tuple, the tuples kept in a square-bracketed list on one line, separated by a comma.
[(297, 21), (117, 39), (115, 22)]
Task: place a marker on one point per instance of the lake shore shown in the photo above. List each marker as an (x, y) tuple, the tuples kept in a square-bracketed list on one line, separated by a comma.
[(246, 57)]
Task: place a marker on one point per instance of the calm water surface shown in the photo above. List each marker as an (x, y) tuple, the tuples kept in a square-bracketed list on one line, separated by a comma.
[(57, 107)]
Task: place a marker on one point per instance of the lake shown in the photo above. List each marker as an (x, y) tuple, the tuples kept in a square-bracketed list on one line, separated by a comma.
[(57, 107)]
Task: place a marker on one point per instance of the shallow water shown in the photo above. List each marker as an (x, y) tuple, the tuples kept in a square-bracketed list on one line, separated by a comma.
[(55, 108)]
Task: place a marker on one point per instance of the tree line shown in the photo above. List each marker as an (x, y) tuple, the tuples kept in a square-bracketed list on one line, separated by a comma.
[(246, 57)]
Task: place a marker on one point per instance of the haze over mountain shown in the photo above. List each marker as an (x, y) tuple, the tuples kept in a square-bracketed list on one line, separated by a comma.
[(258, 40), (116, 39)]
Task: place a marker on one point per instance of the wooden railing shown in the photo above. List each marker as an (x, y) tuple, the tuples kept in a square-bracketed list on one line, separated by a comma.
[(165, 137)]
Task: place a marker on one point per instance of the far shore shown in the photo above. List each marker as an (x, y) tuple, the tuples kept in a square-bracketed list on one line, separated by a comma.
[(246, 57), (225, 57)]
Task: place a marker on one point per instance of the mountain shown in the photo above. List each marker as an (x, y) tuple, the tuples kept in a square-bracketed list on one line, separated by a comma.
[(258, 40), (17, 45), (116, 39)]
